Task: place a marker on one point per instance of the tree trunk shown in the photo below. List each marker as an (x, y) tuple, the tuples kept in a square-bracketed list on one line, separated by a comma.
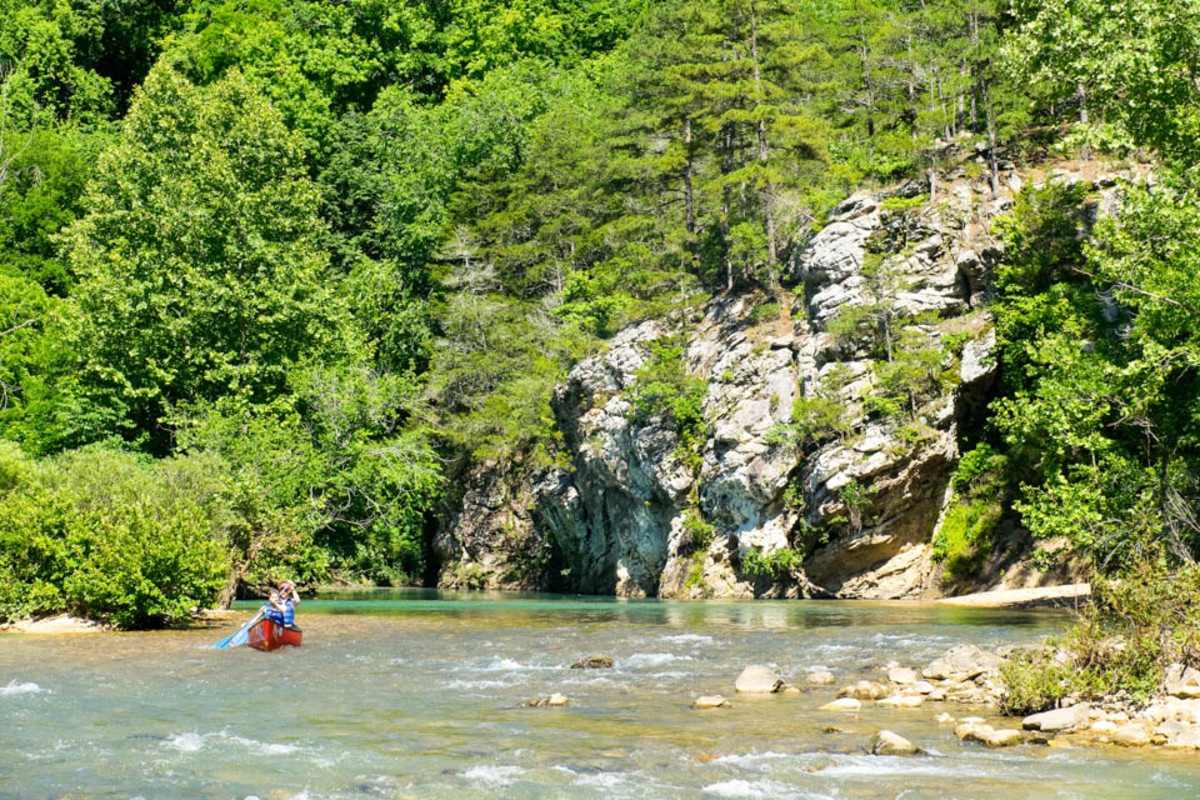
[(1084, 120), (991, 123), (689, 203), (763, 151)]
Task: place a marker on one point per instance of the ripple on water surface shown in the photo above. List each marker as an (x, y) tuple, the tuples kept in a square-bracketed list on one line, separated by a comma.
[(415, 695)]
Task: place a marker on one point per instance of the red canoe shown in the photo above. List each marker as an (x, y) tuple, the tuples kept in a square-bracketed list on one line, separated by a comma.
[(268, 635)]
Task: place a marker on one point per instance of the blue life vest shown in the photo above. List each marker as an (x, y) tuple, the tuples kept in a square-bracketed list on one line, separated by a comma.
[(286, 617)]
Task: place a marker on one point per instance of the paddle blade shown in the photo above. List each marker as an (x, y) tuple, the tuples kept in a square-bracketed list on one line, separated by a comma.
[(242, 635)]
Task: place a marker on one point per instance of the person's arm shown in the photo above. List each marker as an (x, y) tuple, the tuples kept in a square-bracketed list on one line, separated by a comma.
[(277, 602), (295, 596)]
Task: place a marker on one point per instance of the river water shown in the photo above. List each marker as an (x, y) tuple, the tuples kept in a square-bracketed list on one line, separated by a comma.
[(411, 694)]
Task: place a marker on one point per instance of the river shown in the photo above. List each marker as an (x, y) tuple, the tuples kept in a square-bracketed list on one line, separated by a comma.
[(414, 694)]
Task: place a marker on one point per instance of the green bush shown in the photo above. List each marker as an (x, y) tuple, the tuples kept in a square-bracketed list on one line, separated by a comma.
[(774, 565), (97, 534), (1136, 627), (765, 312), (699, 533), (963, 543), (664, 389)]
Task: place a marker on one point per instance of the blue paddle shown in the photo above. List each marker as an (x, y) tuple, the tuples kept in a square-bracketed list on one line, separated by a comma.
[(243, 633)]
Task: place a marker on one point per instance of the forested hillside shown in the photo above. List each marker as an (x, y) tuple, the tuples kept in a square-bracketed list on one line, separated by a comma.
[(275, 277)]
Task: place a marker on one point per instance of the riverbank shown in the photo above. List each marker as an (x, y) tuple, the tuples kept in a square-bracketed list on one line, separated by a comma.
[(1066, 596), (57, 625), (68, 624), (969, 675)]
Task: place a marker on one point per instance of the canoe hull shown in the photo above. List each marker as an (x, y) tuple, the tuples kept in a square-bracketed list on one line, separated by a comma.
[(268, 635)]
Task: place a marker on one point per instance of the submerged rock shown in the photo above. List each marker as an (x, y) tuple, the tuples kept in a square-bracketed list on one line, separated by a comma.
[(843, 704), (554, 700), (758, 680), (903, 701), (594, 662), (893, 744), (863, 690), (708, 701)]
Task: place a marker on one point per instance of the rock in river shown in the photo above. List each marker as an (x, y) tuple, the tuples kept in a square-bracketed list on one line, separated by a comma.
[(594, 662), (893, 744), (553, 701), (843, 704), (863, 690), (758, 680), (902, 701), (1060, 719), (711, 701)]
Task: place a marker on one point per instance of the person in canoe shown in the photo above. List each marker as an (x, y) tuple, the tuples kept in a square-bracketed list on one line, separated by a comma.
[(283, 602)]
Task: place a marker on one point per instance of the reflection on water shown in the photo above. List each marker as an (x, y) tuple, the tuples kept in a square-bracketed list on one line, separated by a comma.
[(414, 694)]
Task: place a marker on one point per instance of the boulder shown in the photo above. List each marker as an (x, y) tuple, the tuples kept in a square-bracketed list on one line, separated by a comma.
[(903, 676), (944, 719), (1170, 729), (887, 743), (863, 690), (1005, 737), (919, 687), (962, 663), (1131, 734), (972, 731), (1187, 739), (711, 701), (758, 680), (1182, 682), (902, 701), (843, 704), (1060, 719), (1103, 726), (819, 678), (594, 662)]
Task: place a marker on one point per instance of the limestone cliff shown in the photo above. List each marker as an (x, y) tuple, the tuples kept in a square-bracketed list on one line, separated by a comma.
[(749, 514)]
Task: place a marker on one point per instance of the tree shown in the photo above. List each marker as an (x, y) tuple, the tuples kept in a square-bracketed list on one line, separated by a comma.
[(201, 273)]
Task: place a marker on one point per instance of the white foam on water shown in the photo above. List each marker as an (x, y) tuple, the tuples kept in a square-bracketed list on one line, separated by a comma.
[(193, 742), (749, 789), (653, 659), (481, 684), (689, 638), (15, 688), (750, 759), (506, 665), (185, 742), (604, 780), (879, 766), (264, 748), (493, 775)]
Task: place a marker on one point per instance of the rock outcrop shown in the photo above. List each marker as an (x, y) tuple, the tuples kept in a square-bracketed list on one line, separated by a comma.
[(747, 511)]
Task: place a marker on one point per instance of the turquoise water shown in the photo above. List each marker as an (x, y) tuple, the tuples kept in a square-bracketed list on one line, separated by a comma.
[(408, 694)]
